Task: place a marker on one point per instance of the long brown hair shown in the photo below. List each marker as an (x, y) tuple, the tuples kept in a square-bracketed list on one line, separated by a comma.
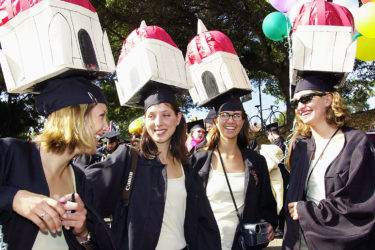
[(337, 115), (177, 147), (243, 137)]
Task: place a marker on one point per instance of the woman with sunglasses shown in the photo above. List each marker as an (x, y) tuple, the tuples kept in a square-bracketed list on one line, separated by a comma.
[(331, 198), (45, 202), (247, 172), (167, 208)]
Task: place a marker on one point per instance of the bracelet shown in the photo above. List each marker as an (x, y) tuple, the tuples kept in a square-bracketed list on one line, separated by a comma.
[(87, 241)]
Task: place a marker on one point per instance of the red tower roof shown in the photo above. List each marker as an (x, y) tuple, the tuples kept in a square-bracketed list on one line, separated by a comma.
[(206, 44), (11, 8), (141, 33), (320, 12)]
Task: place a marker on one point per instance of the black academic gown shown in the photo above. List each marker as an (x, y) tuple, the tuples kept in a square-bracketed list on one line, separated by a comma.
[(346, 218), (21, 169), (259, 201), (138, 226)]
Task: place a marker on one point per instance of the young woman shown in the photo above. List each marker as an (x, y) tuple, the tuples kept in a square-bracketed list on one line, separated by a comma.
[(247, 173), (41, 194), (196, 135), (331, 198), (167, 207)]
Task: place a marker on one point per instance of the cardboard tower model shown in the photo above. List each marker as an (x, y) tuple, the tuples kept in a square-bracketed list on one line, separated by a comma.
[(149, 60), (213, 67), (41, 39), (322, 40)]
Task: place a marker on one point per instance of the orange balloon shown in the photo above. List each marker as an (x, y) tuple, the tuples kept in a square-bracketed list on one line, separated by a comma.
[(366, 1)]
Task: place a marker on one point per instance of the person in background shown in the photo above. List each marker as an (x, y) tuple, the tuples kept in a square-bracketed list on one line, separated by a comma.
[(273, 135), (112, 139), (331, 198), (167, 208), (45, 202), (247, 173), (196, 135), (208, 121)]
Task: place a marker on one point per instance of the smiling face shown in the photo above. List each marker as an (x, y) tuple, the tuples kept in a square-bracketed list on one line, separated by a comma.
[(161, 122), (228, 127), (97, 122), (198, 134), (313, 112)]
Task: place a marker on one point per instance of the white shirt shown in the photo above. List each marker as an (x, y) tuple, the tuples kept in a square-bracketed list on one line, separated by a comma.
[(172, 235), (222, 204)]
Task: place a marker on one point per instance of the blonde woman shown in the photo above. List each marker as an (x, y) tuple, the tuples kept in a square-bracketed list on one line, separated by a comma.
[(44, 200), (331, 198)]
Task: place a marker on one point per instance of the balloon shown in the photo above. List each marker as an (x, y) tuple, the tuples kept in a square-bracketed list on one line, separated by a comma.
[(366, 1), (283, 5), (356, 36), (364, 20), (136, 126), (365, 49), (276, 26), (351, 5)]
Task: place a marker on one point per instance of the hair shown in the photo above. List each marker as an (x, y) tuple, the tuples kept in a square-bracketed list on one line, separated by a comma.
[(66, 129), (243, 137), (177, 147), (337, 115)]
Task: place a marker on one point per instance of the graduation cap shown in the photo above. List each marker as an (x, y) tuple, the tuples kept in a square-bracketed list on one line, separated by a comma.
[(229, 101), (318, 81), (273, 127), (61, 93), (210, 116), (194, 125), (160, 95), (112, 136)]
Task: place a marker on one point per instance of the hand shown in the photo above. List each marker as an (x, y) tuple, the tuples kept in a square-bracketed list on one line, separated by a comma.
[(270, 232), (292, 207), (76, 220), (41, 210)]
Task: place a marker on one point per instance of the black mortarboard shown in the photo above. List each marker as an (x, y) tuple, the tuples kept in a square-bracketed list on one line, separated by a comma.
[(158, 96), (210, 116), (231, 104), (61, 93), (318, 82), (195, 124), (112, 136), (273, 127)]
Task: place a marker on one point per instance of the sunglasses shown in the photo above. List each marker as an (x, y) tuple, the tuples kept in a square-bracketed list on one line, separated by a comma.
[(305, 99)]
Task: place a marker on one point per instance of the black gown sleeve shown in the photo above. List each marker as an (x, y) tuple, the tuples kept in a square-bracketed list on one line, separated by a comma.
[(345, 218), (107, 180)]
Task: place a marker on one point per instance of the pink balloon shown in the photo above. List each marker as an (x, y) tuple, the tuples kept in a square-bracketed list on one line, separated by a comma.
[(283, 5), (366, 1)]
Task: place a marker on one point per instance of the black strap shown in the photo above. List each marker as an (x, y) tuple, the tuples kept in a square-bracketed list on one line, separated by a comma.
[(230, 189), (317, 160), (130, 180)]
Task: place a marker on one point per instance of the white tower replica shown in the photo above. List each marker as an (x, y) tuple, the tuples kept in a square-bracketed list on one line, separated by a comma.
[(149, 59), (213, 67), (42, 39), (322, 41)]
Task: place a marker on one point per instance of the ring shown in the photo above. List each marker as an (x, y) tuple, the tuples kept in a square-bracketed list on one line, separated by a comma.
[(42, 216)]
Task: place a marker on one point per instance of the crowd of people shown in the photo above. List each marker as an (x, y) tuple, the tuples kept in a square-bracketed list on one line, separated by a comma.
[(171, 192)]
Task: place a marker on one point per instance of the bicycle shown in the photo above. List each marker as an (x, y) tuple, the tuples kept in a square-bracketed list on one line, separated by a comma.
[(256, 123)]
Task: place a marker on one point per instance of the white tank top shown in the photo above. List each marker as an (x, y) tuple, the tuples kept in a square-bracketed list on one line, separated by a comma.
[(222, 204), (51, 241), (172, 235)]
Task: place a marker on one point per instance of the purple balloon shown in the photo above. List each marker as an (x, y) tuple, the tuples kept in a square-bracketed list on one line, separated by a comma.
[(283, 5)]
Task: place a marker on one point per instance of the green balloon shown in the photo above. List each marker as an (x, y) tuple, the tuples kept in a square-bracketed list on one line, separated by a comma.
[(276, 26)]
